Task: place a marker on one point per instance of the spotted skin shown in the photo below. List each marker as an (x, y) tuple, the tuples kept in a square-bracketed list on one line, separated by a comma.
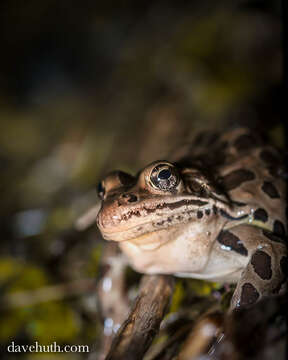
[(269, 157), (261, 214), (199, 214), (236, 178), (272, 236), (246, 142), (269, 189), (230, 240), (264, 270), (249, 294), (278, 228), (272, 161), (261, 263), (224, 220)]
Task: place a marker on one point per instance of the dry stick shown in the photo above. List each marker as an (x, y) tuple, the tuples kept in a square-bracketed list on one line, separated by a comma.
[(138, 330)]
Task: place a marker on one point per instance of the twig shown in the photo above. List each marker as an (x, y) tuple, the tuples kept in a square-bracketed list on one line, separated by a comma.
[(137, 332)]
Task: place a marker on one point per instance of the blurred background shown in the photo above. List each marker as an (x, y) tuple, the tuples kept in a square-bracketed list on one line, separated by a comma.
[(89, 87)]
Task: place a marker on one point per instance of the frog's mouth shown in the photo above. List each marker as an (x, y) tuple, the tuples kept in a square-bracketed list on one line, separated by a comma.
[(146, 218), (142, 221), (148, 240), (142, 231)]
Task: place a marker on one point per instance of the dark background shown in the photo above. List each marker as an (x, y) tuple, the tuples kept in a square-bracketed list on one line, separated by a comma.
[(86, 87)]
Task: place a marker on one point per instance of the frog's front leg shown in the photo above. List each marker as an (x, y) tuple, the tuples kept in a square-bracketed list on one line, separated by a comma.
[(266, 269)]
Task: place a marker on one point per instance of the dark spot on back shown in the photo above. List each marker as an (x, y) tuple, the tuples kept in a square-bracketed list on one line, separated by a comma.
[(199, 214), (245, 142), (270, 190), (278, 228), (209, 159), (269, 158), (271, 236), (249, 294), (230, 240), (273, 162), (236, 178), (261, 263), (215, 209), (284, 265), (207, 212), (261, 214)]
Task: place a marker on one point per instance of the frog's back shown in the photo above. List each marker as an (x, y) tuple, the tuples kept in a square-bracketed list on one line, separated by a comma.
[(248, 169)]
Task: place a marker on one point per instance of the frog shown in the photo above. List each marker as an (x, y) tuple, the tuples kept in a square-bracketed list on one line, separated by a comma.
[(215, 210)]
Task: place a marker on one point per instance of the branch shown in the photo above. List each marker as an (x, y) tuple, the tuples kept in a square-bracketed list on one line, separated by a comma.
[(137, 332)]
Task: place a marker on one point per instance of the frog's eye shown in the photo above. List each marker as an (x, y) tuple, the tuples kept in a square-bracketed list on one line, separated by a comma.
[(164, 177), (101, 190)]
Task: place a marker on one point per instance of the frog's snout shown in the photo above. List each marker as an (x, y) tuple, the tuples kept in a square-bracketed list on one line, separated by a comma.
[(115, 211)]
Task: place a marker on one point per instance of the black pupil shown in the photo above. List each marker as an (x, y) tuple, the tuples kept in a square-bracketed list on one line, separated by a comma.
[(164, 177), (164, 174)]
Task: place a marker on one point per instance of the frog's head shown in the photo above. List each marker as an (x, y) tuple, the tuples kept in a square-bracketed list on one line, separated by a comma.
[(162, 197)]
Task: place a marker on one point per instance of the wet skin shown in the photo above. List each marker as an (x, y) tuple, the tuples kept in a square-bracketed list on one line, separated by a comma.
[(214, 211)]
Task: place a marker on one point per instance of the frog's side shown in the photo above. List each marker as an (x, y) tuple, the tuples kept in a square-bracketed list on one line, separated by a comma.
[(215, 212)]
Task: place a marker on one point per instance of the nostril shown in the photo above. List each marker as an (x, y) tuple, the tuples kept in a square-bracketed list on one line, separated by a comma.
[(130, 197)]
